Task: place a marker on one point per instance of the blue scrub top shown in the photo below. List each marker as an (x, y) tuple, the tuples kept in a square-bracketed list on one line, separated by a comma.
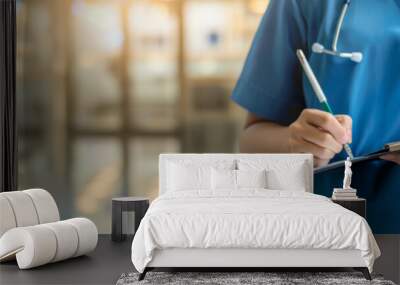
[(272, 86)]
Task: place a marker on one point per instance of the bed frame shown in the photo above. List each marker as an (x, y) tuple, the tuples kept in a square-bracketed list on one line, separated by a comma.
[(237, 259), (249, 259)]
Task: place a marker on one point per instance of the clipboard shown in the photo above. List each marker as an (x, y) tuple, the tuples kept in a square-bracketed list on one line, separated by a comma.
[(388, 148)]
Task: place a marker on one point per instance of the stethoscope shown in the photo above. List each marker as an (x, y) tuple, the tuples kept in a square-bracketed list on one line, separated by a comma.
[(319, 48)]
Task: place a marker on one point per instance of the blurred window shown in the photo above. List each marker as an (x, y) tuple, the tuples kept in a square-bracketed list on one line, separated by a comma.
[(105, 86), (97, 176), (144, 153), (153, 65), (97, 41)]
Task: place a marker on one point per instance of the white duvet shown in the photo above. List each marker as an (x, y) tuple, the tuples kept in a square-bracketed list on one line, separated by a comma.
[(250, 219)]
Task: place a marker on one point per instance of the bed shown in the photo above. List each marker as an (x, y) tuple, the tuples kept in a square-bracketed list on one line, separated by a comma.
[(246, 211)]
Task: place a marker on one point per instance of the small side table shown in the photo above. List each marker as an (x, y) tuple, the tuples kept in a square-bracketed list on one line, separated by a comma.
[(123, 209), (357, 205)]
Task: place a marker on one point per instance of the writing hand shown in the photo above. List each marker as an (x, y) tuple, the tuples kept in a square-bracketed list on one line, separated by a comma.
[(321, 134)]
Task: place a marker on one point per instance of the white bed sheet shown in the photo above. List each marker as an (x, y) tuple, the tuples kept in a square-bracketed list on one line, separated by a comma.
[(250, 218)]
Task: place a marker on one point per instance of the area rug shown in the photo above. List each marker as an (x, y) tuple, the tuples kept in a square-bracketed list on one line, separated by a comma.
[(244, 278)]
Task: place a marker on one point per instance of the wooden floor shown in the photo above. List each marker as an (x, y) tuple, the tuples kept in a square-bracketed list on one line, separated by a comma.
[(103, 266)]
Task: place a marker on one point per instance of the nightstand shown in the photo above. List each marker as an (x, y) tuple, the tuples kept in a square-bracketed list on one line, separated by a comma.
[(357, 205), (127, 212)]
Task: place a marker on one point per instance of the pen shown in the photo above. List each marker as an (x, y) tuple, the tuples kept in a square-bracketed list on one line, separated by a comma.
[(318, 91)]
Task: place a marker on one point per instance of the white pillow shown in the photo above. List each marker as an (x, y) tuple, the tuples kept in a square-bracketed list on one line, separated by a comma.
[(223, 179), (281, 174), (187, 174), (189, 177), (293, 181), (251, 178), (227, 179)]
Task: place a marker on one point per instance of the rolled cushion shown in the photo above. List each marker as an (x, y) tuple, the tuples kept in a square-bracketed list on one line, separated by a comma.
[(87, 234), (46, 207), (33, 246), (23, 208), (66, 238), (7, 218), (41, 244), (26, 208)]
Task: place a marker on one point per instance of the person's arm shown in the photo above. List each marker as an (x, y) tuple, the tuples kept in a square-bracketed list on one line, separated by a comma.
[(261, 136), (314, 131), (263, 90)]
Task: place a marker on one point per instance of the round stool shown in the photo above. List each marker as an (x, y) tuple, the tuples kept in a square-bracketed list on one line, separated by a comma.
[(127, 212)]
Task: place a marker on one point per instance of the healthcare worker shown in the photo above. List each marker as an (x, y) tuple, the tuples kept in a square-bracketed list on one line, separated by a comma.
[(362, 86)]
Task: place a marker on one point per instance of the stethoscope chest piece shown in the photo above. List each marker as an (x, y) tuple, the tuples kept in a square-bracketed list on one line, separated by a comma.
[(319, 48)]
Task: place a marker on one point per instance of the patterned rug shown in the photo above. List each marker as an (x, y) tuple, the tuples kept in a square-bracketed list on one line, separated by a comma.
[(243, 278)]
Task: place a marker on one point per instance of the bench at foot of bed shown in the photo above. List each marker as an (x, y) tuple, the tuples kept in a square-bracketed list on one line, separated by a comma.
[(363, 270)]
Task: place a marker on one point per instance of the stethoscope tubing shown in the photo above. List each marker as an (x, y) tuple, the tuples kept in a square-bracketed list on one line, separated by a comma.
[(319, 48)]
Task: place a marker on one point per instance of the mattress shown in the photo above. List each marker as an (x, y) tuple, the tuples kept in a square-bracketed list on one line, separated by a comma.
[(250, 219)]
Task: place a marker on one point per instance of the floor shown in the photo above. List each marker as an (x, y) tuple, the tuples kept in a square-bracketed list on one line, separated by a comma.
[(110, 260), (388, 264), (96, 268)]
